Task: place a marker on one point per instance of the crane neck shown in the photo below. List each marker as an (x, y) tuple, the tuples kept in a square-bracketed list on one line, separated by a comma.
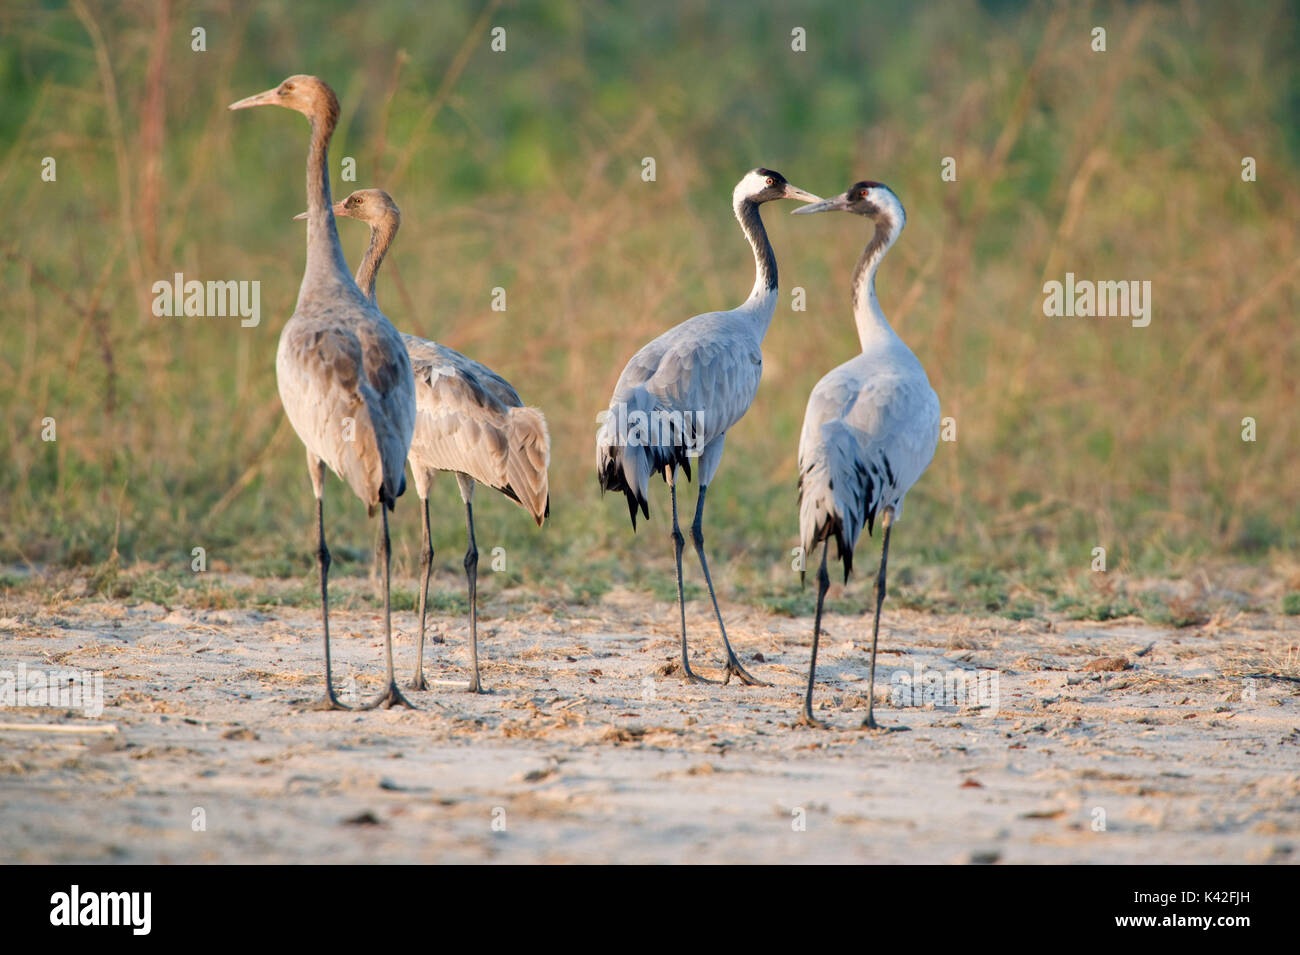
[(764, 292), (381, 237), (873, 327), (326, 267)]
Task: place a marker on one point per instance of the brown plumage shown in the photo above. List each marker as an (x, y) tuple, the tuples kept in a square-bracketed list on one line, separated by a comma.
[(469, 421), (343, 374)]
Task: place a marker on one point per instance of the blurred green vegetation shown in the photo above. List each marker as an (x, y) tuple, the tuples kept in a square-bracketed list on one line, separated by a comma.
[(521, 169)]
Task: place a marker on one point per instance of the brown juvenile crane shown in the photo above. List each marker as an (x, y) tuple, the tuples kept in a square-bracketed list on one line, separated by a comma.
[(343, 374), (469, 421)]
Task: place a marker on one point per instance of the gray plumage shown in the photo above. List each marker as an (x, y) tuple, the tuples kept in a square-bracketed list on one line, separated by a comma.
[(469, 421), (870, 428), (472, 422), (689, 386), (343, 373), (346, 385), (679, 395), (696, 380), (866, 439), (871, 425)]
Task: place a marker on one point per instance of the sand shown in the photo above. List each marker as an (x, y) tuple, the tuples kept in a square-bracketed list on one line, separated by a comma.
[(1106, 743)]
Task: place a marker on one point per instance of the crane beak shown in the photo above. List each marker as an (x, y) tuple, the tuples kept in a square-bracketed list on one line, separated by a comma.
[(826, 205), (339, 210), (794, 192), (269, 98)]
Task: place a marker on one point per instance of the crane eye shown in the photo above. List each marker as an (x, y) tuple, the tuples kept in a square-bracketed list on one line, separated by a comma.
[(771, 181)]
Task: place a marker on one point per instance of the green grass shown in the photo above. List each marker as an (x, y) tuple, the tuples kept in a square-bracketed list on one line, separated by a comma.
[(1072, 433), (916, 584)]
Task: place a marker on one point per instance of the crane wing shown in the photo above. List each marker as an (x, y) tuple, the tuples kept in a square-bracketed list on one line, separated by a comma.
[(347, 410), (388, 388), (868, 435), (421, 349), (471, 421), (676, 396)]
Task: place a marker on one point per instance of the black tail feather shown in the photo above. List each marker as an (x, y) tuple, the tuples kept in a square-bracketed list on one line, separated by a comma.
[(611, 479), (662, 458), (833, 529)]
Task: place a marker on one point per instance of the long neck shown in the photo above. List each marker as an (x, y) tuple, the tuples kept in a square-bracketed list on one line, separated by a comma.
[(325, 263), (765, 280), (873, 327), (381, 237)]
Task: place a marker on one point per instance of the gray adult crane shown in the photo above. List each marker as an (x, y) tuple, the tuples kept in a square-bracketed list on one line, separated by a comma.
[(469, 421), (344, 376), (870, 428), (680, 394)]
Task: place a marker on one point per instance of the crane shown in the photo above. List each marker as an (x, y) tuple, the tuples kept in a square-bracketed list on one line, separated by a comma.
[(870, 428), (343, 372), (679, 395), (469, 421)]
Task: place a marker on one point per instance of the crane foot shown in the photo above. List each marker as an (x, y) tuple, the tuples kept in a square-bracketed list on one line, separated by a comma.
[(327, 702), (390, 698), (870, 725), (740, 673), (690, 676), (807, 719)]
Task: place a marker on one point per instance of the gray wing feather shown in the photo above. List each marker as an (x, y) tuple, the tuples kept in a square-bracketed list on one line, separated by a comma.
[(345, 383), (471, 421), (869, 432), (688, 386)]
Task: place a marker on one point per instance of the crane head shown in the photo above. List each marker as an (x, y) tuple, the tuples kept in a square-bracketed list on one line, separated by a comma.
[(874, 200), (763, 185), (309, 95), (372, 206)]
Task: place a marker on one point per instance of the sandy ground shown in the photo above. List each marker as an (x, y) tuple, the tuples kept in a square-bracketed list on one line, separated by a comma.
[(1106, 743)]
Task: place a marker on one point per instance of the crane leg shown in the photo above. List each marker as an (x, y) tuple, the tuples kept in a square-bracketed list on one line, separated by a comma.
[(870, 722), (679, 544), (471, 577), (391, 696), (426, 568), (823, 584), (329, 701), (697, 535)]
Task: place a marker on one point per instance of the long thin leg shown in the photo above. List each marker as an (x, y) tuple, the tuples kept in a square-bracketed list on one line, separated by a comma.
[(329, 701), (426, 558), (471, 576), (679, 544), (697, 535), (886, 522), (391, 696), (823, 585)]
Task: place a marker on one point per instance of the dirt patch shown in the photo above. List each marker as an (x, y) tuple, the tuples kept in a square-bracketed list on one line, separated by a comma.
[(1072, 742)]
